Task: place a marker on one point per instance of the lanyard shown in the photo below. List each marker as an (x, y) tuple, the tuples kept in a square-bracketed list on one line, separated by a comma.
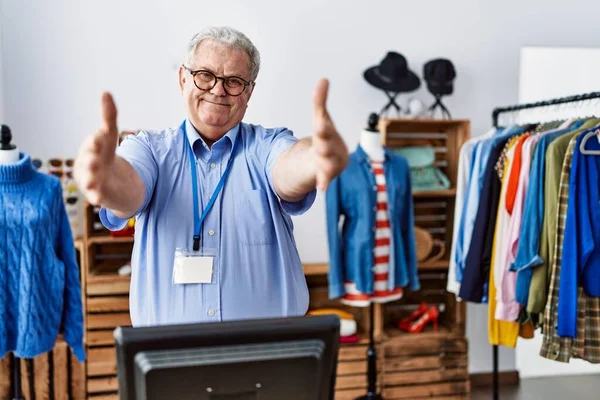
[(198, 220)]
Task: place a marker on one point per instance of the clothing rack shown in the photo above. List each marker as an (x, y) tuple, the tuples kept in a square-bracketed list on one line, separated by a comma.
[(518, 107)]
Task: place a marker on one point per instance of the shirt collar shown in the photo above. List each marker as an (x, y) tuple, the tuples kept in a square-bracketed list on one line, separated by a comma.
[(193, 135), (363, 156)]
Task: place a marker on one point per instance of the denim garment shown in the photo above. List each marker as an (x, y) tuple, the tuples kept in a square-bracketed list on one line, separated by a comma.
[(353, 196)]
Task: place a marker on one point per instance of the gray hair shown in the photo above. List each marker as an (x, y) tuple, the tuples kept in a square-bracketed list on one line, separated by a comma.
[(229, 37)]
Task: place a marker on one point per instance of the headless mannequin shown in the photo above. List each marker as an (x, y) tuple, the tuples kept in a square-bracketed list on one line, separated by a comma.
[(370, 140), (9, 154)]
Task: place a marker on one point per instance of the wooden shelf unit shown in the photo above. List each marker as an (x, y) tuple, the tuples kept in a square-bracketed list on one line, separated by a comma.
[(106, 303), (427, 365)]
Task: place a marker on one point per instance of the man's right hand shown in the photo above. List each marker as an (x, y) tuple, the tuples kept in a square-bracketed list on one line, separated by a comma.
[(95, 161)]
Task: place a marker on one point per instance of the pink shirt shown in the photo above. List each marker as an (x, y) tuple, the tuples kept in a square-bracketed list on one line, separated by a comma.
[(508, 308)]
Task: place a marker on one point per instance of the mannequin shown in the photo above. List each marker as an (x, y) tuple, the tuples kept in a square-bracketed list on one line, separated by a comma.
[(372, 255), (35, 216), (9, 154), (370, 140)]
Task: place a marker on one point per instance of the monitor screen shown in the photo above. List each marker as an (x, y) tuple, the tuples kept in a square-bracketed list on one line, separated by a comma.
[(292, 358)]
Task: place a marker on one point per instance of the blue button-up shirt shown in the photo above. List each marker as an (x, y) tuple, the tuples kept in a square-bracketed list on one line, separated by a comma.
[(581, 246), (533, 216), (481, 155), (257, 271), (353, 195)]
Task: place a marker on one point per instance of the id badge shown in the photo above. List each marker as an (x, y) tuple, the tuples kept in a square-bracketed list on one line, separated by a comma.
[(193, 266)]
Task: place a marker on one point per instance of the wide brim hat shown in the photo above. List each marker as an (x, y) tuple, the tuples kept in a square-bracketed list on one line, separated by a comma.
[(393, 74)]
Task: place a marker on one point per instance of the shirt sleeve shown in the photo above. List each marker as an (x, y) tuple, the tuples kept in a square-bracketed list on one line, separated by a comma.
[(532, 220), (539, 285), (567, 300), (408, 235), (281, 141), (72, 316), (137, 151), (334, 212)]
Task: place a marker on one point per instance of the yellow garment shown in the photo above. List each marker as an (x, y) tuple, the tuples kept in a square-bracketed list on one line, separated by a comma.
[(503, 333)]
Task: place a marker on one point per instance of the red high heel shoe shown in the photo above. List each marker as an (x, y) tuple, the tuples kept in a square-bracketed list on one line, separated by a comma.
[(431, 315), (405, 323)]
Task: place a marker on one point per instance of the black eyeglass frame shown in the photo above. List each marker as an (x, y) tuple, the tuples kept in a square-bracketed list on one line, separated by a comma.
[(216, 80)]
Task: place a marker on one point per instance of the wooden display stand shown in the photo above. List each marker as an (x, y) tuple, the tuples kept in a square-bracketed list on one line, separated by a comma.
[(427, 365), (106, 303)]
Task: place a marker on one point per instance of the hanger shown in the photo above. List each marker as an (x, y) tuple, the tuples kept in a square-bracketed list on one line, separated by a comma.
[(584, 141)]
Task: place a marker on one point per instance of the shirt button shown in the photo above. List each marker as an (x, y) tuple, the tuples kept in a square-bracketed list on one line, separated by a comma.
[(211, 312), (213, 165), (211, 232)]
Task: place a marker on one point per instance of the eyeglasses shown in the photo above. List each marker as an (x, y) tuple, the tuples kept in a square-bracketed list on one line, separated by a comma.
[(206, 80)]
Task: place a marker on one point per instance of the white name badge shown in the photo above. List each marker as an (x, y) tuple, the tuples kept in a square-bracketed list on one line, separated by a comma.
[(193, 267)]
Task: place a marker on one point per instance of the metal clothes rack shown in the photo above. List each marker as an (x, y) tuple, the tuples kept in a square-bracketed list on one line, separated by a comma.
[(518, 107)]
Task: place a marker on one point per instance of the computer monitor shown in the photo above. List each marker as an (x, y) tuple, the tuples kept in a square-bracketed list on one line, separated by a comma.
[(293, 358)]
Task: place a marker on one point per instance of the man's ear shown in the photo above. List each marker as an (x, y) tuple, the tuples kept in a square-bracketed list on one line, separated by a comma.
[(251, 90), (182, 78)]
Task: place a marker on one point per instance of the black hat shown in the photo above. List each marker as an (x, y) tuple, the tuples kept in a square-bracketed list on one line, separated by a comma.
[(393, 74), (439, 75)]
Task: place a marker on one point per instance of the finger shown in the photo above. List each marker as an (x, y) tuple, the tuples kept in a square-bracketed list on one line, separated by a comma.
[(320, 99), (109, 115)]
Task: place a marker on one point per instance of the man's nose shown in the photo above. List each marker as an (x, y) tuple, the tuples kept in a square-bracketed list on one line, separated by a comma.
[(219, 89)]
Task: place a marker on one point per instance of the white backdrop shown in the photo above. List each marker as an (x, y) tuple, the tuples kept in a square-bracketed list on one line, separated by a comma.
[(547, 73), (59, 55)]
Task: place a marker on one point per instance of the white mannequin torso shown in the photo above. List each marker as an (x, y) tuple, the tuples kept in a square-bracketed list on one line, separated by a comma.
[(370, 141)]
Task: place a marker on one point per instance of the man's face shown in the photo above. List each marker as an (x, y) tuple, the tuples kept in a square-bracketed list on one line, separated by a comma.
[(213, 112)]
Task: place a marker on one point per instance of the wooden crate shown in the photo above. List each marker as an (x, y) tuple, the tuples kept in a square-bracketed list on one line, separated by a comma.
[(351, 380), (107, 304), (57, 372), (425, 365)]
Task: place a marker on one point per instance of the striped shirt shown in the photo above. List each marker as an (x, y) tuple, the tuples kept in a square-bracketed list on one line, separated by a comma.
[(381, 252)]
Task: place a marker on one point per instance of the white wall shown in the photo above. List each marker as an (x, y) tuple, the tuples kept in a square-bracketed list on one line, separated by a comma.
[(546, 73), (1, 74), (59, 55)]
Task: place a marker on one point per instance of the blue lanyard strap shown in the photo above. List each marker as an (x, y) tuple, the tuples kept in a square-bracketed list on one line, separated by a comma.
[(199, 220)]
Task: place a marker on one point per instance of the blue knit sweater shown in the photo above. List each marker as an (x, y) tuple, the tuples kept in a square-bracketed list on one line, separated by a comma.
[(40, 292)]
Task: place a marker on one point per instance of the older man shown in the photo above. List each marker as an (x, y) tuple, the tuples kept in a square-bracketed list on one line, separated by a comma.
[(213, 196)]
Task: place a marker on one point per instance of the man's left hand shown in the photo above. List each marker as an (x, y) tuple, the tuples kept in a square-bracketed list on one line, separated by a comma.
[(331, 153)]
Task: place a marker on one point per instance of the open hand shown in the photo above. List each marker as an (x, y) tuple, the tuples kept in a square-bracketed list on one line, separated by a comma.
[(96, 155), (329, 147)]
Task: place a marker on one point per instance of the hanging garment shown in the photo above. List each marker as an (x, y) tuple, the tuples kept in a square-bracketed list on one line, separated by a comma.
[(507, 308), (39, 276), (555, 155), (353, 196), (465, 159), (581, 247), (527, 252), (518, 201), (586, 346), (468, 217), (476, 269), (503, 333), (381, 252)]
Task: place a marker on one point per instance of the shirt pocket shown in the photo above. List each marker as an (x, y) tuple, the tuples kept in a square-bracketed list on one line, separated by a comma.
[(253, 220)]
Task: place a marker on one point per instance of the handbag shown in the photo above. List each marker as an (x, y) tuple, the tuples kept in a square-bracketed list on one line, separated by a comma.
[(424, 175)]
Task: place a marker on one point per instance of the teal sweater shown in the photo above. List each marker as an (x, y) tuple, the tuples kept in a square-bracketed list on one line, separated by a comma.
[(40, 292)]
